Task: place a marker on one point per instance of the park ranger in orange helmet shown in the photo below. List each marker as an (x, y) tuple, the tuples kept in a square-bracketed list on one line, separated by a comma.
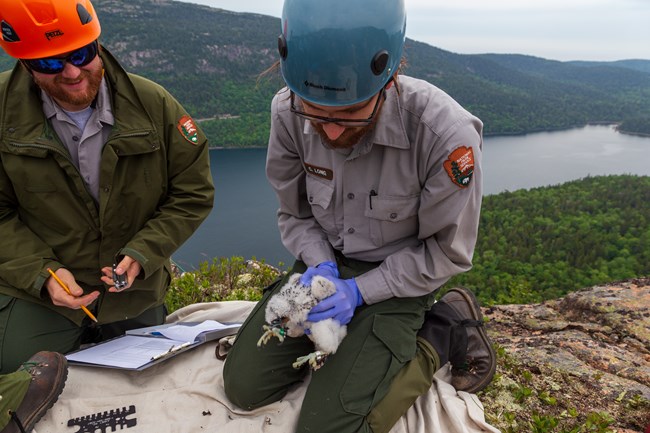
[(103, 176)]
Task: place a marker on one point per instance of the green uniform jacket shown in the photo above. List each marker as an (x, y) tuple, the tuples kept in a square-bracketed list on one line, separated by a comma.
[(155, 190)]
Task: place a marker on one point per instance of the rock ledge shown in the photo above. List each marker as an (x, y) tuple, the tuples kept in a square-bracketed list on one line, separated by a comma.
[(582, 360)]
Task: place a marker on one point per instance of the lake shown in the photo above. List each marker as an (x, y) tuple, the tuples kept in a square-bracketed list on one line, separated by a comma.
[(243, 221)]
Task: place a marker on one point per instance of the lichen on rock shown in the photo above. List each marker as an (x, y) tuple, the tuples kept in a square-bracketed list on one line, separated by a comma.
[(580, 362)]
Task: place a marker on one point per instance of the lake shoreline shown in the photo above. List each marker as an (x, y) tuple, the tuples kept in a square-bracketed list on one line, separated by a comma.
[(635, 134), (485, 135), (244, 219)]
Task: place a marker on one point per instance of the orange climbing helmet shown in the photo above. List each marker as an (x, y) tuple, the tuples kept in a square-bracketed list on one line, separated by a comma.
[(36, 29)]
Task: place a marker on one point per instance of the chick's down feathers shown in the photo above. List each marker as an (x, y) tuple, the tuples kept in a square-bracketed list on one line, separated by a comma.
[(286, 314)]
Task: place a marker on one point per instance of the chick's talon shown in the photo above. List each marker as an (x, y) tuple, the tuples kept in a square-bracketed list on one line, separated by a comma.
[(270, 332), (315, 360)]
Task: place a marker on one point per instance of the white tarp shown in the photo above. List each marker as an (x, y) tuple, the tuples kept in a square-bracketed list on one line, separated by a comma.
[(185, 395)]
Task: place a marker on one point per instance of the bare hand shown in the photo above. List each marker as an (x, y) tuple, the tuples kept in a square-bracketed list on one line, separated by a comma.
[(62, 298), (129, 266)]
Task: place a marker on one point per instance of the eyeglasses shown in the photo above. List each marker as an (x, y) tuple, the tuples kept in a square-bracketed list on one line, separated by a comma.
[(55, 65), (346, 123)]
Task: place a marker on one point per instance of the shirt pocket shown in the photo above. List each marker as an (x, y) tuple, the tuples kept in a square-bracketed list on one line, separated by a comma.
[(320, 196), (392, 218)]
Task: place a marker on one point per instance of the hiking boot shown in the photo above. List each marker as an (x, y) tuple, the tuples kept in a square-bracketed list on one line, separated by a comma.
[(48, 371), (454, 327)]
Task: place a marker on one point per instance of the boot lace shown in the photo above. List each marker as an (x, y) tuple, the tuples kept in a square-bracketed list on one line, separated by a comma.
[(14, 417)]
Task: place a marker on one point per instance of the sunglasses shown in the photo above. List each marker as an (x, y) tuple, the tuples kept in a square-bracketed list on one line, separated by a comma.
[(344, 122), (55, 65)]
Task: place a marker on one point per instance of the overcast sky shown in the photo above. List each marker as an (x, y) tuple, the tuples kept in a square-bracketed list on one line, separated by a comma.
[(552, 29)]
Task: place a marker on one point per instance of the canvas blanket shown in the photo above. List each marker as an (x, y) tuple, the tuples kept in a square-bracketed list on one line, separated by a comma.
[(185, 395)]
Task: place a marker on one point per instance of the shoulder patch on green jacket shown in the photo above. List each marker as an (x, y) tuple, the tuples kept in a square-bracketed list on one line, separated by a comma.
[(188, 129)]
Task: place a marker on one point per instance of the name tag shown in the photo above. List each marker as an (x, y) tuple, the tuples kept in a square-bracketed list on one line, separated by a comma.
[(321, 172)]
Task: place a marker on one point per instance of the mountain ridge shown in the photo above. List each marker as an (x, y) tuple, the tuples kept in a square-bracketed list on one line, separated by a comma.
[(211, 58)]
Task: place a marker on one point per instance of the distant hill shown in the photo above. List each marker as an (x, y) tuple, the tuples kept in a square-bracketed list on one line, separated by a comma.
[(210, 59), (636, 64)]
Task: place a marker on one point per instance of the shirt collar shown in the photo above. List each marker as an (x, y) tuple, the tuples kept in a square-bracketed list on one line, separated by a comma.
[(389, 130), (102, 105)]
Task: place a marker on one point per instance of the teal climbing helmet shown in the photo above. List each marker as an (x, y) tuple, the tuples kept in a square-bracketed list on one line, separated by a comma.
[(340, 52)]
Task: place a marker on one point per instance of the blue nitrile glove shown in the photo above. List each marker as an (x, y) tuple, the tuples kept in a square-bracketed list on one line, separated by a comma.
[(325, 269), (341, 305)]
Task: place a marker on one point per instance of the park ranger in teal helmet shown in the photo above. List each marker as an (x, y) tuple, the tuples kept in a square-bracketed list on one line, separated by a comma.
[(379, 191), (340, 52)]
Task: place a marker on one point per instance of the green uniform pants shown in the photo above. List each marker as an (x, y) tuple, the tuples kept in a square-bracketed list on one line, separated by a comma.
[(13, 388), (377, 366), (27, 328)]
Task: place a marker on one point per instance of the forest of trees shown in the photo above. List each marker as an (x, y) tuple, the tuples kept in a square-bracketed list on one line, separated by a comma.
[(542, 243), (247, 130), (639, 125)]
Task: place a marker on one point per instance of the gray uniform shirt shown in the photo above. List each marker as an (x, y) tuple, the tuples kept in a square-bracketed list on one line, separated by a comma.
[(85, 147), (408, 194)]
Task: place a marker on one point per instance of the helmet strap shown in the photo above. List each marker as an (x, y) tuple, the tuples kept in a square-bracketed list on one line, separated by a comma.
[(27, 68)]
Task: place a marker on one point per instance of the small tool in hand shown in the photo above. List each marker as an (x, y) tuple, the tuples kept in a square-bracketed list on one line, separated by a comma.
[(120, 281)]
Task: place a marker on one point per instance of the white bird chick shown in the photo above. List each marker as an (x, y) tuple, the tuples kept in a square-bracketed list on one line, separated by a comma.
[(286, 314)]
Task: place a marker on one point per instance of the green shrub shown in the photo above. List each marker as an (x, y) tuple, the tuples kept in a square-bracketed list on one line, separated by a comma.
[(225, 279)]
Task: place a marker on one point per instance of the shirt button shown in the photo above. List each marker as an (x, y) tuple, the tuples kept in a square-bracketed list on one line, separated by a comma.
[(351, 196), (393, 216), (311, 199), (351, 230), (75, 138)]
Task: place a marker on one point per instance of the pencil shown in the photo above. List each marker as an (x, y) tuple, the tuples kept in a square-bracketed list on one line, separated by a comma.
[(62, 284)]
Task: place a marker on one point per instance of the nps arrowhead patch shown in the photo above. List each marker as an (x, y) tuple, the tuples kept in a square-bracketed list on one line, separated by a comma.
[(188, 129), (460, 166)]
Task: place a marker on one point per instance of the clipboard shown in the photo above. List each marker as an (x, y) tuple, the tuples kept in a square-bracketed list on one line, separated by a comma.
[(141, 348)]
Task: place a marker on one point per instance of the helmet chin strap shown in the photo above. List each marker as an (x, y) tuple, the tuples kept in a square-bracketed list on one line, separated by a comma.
[(27, 68)]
